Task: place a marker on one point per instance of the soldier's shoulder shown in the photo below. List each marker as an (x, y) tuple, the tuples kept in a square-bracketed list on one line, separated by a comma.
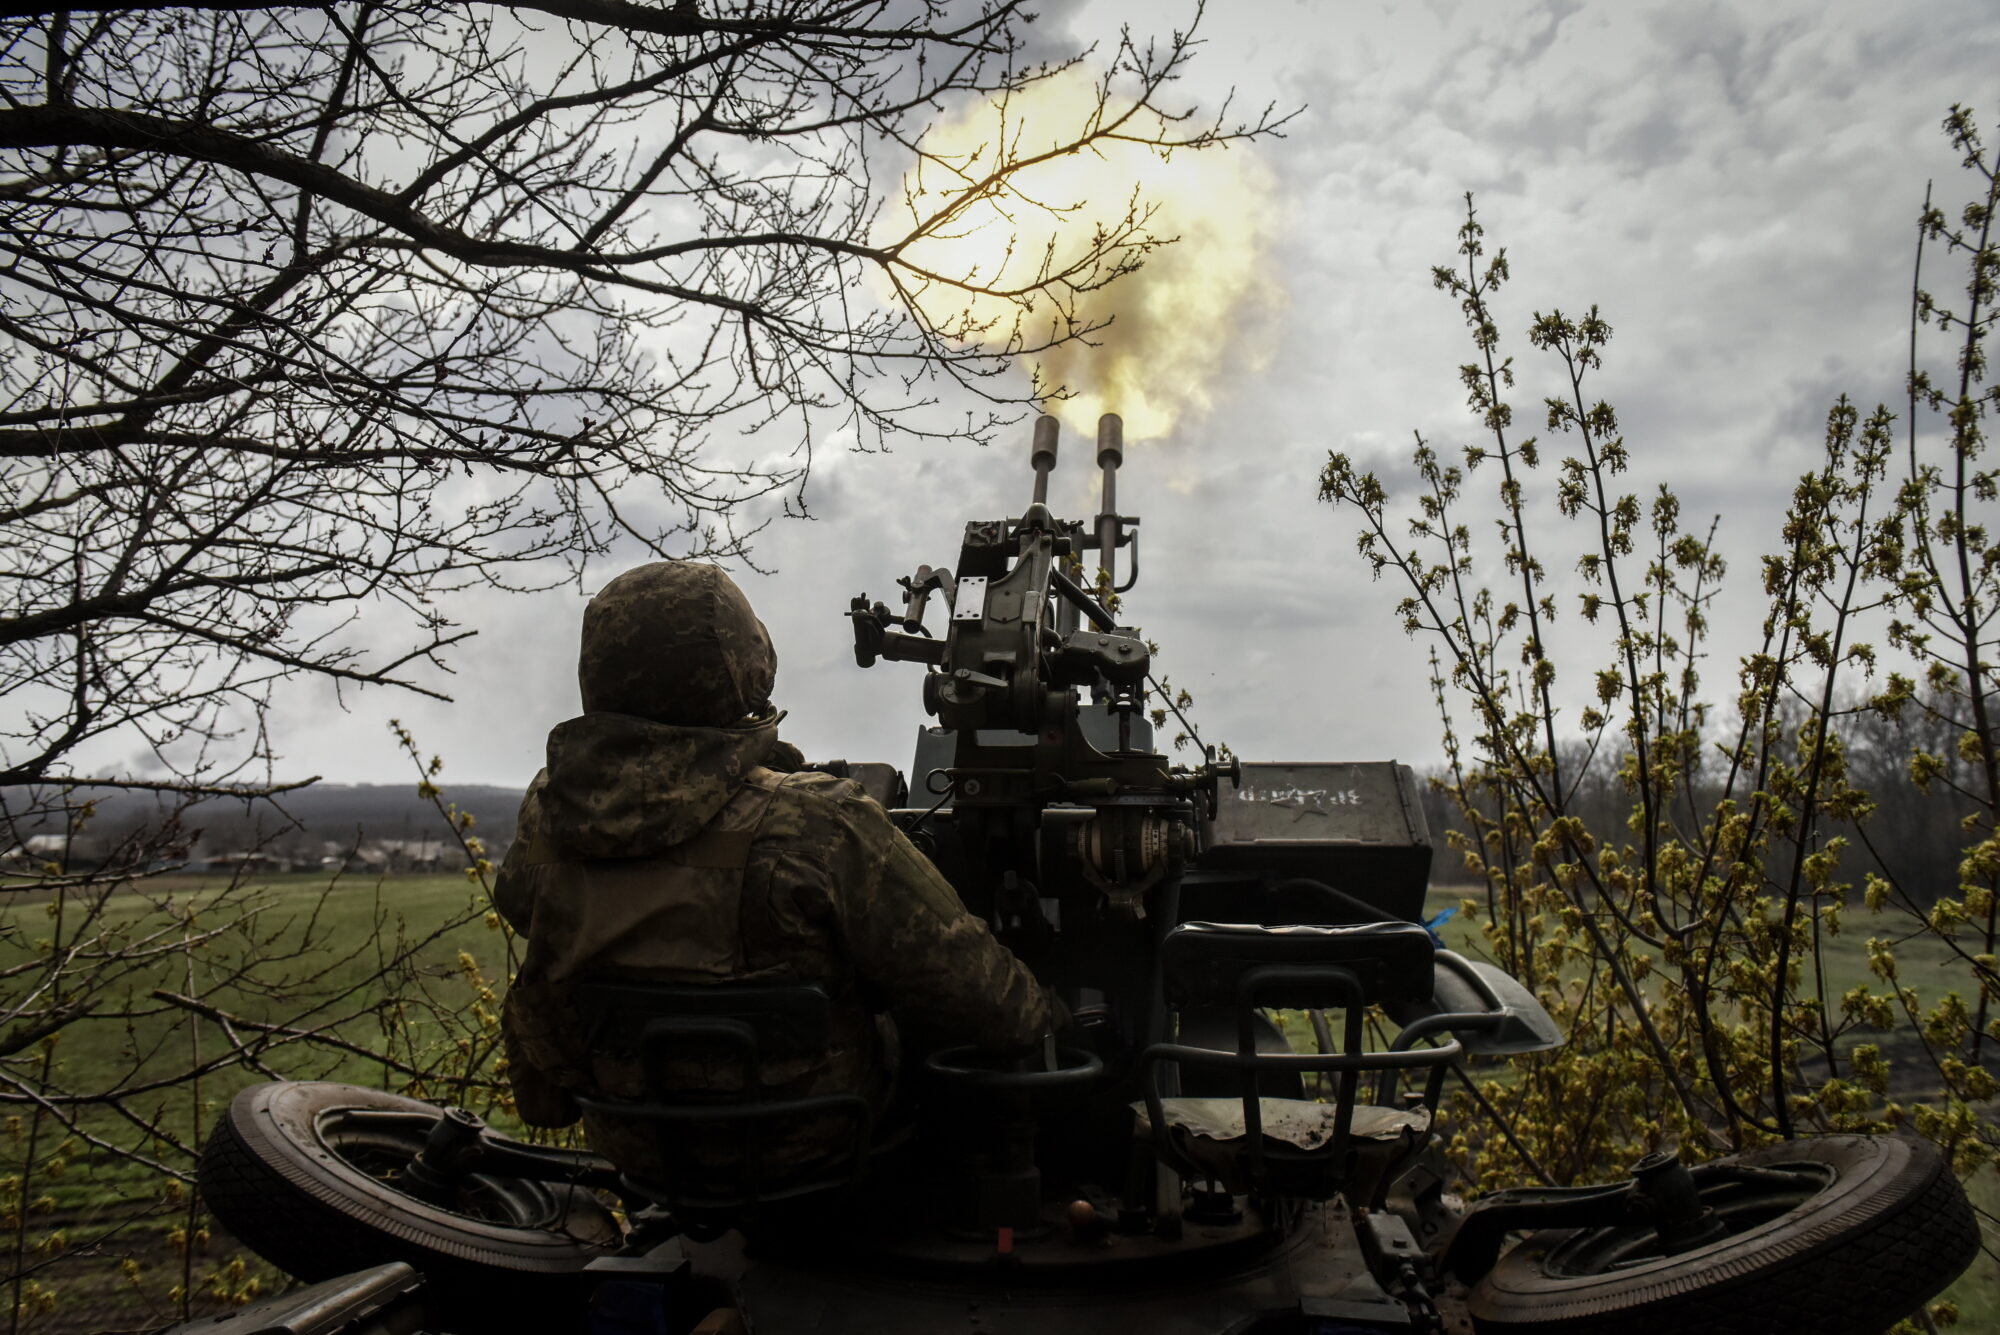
[(810, 800), (533, 814), (813, 788)]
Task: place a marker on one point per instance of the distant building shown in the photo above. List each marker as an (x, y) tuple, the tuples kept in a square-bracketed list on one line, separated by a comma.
[(392, 856), (348, 859), (66, 850), (240, 864), (419, 855)]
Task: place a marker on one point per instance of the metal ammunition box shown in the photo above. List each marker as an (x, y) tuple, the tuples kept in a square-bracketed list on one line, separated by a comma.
[(1355, 826)]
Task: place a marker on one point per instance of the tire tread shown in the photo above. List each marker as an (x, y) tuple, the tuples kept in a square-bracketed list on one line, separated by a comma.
[(1861, 1270), (314, 1229)]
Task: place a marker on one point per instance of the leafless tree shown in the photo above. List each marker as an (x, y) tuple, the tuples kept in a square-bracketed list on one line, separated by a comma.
[(308, 314)]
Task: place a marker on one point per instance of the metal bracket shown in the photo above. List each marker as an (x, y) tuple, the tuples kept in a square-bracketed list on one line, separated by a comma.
[(969, 600)]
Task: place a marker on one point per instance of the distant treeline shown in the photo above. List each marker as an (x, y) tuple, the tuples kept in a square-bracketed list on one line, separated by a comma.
[(300, 829)]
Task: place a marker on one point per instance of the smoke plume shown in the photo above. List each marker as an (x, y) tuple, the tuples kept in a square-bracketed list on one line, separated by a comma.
[(1177, 325)]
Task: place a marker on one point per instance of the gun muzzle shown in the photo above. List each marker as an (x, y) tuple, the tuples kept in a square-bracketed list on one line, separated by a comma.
[(1110, 454), (1042, 456)]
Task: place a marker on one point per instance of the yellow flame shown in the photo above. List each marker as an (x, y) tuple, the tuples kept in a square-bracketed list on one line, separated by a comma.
[(1177, 324)]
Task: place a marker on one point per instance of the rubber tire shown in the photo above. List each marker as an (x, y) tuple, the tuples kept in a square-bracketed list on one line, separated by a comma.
[(1888, 1233), (274, 1183)]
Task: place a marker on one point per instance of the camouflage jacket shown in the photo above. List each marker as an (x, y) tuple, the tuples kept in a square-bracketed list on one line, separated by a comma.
[(653, 852)]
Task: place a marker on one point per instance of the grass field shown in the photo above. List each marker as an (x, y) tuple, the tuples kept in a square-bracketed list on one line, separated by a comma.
[(324, 952), (321, 953)]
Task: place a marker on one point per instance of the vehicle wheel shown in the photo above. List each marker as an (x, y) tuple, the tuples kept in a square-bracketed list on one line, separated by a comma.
[(306, 1173), (1868, 1228)]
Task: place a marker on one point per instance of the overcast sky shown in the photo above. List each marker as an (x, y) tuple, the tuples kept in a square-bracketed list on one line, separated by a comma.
[(1735, 186)]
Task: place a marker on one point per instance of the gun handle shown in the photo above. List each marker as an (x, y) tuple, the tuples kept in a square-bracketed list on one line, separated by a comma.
[(867, 630)]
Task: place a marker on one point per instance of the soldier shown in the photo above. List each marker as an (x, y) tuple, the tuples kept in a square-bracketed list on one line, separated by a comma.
[(665, 843)]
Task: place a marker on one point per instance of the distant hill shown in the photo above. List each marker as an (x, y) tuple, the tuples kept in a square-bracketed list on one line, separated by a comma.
[(311, 822), (336, 811)]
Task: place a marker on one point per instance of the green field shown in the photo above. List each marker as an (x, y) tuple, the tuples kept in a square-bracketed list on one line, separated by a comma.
[(292, 952), (299, 953)]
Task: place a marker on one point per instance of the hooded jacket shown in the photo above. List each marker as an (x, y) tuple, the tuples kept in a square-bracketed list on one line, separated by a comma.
[(630, 863)]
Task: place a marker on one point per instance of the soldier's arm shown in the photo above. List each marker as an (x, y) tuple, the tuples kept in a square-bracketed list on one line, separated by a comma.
[(514, 887), (912, 938), (539, 1099)]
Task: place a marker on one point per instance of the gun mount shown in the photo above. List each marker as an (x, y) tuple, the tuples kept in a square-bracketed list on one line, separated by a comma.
[(1020, 750)]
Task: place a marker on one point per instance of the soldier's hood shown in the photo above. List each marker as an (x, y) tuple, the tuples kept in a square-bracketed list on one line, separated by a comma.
[(620, 786), (675, 642)]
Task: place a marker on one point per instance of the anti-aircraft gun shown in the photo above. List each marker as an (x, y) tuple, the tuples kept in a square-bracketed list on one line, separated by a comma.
[(1040, 780), (1040, 792), (1172, 1162), (1053, 795)]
